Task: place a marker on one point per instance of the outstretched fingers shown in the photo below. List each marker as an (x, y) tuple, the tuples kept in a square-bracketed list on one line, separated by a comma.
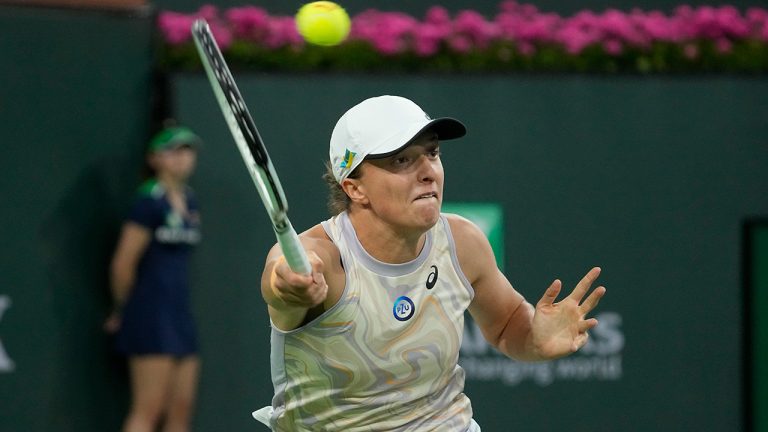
[(587, 324), (550, 295), (592, 300), (583, 286)]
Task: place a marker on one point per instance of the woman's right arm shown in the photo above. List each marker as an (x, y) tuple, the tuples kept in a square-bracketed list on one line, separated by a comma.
[(293, 298), (133, 241)]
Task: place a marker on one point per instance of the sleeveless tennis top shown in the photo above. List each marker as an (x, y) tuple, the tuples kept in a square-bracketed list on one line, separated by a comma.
[(385, 357)]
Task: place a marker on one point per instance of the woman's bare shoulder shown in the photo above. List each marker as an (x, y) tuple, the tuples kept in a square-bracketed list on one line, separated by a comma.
[(472, 247)]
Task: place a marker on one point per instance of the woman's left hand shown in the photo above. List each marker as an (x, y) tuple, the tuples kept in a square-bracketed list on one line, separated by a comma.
[(559, 329)]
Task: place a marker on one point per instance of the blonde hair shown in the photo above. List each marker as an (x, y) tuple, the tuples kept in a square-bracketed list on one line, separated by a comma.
[(338, 200)]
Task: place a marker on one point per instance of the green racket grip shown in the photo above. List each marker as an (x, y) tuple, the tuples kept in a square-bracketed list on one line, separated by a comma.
[(293, 251)]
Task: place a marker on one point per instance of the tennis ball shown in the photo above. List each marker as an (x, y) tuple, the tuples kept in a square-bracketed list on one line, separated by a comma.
[(323, 23)]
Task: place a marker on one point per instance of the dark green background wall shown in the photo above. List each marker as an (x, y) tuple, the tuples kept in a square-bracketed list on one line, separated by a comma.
[(74, 114), (649, 177)]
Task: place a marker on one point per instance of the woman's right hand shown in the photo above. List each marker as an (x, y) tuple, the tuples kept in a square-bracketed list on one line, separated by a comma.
[(299, 290)]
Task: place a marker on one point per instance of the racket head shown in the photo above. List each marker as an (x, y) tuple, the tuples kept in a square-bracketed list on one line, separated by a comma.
[(241, 125)]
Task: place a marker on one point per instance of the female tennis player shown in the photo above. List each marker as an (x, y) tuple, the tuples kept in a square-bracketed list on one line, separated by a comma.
[(370, 340)]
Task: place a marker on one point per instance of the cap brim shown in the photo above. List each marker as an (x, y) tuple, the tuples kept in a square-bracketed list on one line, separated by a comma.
[(180, 144), (173, 138), (446, 128)]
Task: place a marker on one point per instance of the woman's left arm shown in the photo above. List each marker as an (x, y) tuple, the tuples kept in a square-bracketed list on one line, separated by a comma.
[(507, 321)]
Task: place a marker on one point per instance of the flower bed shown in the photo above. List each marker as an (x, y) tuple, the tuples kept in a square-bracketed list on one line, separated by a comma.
[(518, 38)]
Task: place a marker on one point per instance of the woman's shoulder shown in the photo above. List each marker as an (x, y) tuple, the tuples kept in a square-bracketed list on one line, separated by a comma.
[(472, 247), (463, 230), (317, 239), (318, 236)]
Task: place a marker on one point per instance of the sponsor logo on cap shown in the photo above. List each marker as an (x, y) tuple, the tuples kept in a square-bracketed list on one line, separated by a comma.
[(348, 158)]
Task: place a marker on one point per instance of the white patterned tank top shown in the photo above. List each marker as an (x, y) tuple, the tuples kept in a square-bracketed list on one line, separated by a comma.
[(385, 357)]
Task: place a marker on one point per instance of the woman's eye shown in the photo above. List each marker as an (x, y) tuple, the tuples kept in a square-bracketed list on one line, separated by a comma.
[(401, 160)]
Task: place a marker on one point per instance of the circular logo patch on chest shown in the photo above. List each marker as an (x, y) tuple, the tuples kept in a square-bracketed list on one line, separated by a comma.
[(403, 308)]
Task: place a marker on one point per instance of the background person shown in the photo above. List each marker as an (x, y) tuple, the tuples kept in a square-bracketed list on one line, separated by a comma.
[(152, 321)]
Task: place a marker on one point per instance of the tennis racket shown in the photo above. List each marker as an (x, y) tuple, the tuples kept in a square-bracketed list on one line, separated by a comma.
[(251, 146)]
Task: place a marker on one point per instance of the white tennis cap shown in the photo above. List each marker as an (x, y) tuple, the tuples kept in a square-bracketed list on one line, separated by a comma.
[(382, 126)]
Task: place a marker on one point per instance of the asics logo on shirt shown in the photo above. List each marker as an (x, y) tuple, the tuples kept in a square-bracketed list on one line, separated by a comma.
[(432, 278)]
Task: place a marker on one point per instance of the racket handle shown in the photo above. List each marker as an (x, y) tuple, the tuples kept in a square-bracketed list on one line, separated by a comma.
[(293, 250)]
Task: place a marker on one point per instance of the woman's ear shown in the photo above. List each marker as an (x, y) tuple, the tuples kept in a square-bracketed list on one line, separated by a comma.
[(355, 190)]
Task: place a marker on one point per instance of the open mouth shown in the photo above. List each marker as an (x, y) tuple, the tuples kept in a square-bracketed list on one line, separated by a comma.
[(426, 196)]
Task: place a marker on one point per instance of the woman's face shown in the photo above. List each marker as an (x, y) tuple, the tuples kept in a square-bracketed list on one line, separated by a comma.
[(177, 163), (406, 189)]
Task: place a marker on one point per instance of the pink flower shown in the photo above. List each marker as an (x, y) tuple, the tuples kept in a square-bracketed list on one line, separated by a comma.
[(282, 32), (427, 38), (706, 24), (475, 28), (219, 29), (657, 26), (527, 28), (540, 28), (614, 24), (222, 34), (757, 17), (176, 28), (388, 32), (438, 15), (575, 39), (249, 22), (732, 23)]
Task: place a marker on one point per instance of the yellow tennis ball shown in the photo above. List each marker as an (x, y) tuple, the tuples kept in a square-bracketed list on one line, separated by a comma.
[(323, 23)]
